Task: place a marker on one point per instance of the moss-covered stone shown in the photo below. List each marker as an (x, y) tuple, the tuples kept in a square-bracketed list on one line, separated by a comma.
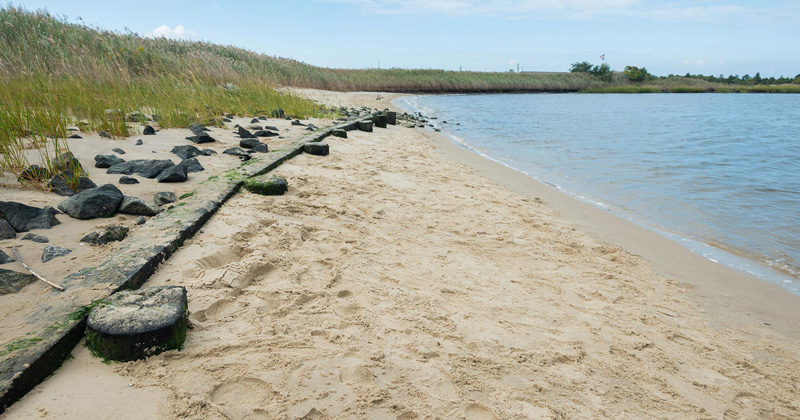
[(266, 185), (365, 126), (316, 148), (134, 324)]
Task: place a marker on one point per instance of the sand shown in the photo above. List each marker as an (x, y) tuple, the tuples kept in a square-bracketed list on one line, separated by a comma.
[(395, 282)]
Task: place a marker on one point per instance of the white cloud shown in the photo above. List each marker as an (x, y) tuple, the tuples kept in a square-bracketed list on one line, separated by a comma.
[(179, 32)]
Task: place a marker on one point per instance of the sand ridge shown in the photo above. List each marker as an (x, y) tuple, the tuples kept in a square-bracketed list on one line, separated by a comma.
[(392, 283)]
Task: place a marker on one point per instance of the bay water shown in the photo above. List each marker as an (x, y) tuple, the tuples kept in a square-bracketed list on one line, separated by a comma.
[(719, 173)]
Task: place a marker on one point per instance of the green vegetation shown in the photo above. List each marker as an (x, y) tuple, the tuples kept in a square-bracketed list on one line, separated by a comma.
[(636, 74), (19, 344)]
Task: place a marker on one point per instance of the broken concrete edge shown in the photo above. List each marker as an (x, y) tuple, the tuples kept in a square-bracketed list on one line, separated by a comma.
[(26, 368)]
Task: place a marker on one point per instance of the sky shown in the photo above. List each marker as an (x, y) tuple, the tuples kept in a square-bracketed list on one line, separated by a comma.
[(667, 37)]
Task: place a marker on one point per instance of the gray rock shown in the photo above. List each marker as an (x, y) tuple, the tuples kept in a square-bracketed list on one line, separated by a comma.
[(226, 119), (186, 152), (149, 131), (249, 143), (339, 133), (318, 149), (254, 121), (261, 148), (51, 252), (255, 127), (208, 152), (110, 234), (243, 133), (391, 118), (13, 281), (262, 117), (164, 197), (271, 127), (68, 162), (6, 231), (235, 151), (23, 218), (138, 207), (105, 135), (297, 122), (118, 151), (176, 173), (134, 324), (201, 138), (144, 167), (4, 258), (140, 220), (74, 136), (139, 142), (192, 165), (60, 184), (381, 120), (107, 161), (312, 127), (265, 133), (34, 173), (126, 180), (90, 204), (35, 238), (197, 129)]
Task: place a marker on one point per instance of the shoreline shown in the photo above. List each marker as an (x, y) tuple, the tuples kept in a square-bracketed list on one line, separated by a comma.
[(739, 294)]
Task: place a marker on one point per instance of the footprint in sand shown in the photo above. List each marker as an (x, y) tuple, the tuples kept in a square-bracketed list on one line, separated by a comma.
[(217, 259), (344, 294), (358, 375), (477, 411), (243, 398), (218, 310)]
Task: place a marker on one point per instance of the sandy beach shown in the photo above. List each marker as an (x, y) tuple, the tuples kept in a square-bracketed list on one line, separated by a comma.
[(403, 277)]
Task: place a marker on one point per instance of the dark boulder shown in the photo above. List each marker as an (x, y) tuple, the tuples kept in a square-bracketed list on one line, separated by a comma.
[(5, 259), (261, 148), (139, 142), (243, 133), (381, 120), (105, 135), (235, 151), (110, 234), (339, 133), (254, 121), (135, 324), (144, 167), (23, 218), (164, 197), (137, 207), (51, 252), (13, 281), (68, 162), (208, 152), (74, 136), (192, 165), (248, 143), (197, 129), (6, 231), (391, 118), (265, 133), (60, 184), (127, 180), (318, 149), (201, 138), (297, 122), (186, 152), (118, 151), (90, 204), (175, 173), (106, 161), (140, 220), (149, 131), (271, 127), (34, 173), (36, 238)]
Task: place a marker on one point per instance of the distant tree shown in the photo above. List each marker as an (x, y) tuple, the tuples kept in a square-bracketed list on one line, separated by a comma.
[(602, 72), (582, 67), (796, 80), (636, 74), (757, 78)]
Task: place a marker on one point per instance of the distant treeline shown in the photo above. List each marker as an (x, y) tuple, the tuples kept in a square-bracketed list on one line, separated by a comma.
[(735, 79), (637, 74)]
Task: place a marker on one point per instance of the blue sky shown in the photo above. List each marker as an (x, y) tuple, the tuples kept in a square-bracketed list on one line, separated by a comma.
[(696, 36)]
